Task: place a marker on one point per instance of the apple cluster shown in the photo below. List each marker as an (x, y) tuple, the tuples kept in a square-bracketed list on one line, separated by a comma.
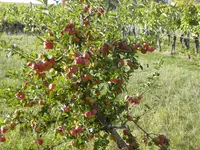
[(162, 141), (133, 100)]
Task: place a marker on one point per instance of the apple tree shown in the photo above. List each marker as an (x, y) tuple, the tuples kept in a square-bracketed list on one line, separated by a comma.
[(70, 88)]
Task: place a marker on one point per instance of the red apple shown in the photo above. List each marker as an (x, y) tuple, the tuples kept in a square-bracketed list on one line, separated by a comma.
[(93, 111), (39, 141), (129, 63), (67, 109), (127, 97), (115, 80), (79, 129), (121, 62), (29, 63), (73, 132), (86, 55), (123, 46), (2, 139), (48, 45), (116, 43), (73, 69), (151, 49), (135, 46), (20, 95), (126, 132), (143, 51), (88, 114), (145, 45), (51, 86), (79, 61), (4, 130)]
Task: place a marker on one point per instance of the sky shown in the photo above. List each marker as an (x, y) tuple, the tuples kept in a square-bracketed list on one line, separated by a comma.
[(27, 1)]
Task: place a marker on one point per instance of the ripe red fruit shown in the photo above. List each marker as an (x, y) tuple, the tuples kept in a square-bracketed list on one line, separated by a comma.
[(51, 34), (123, 46), (121, 62), (2, 139), (127, 97), (101, 10), (116, 43), (51, 86), (67, 109), (20, 95), (86, 55), (88, 114), (126, 132), (79, 61), (73, 69), (73, 132), (29, 64), (46, 65), (48, 45), (135, 46), (52, 60), (4, 130), (145, 45), (151, 49), (129, 63), (78, 129), (143, 51), (93, 111), (70, 25), (34, 66), (39, 141), (115, 80)]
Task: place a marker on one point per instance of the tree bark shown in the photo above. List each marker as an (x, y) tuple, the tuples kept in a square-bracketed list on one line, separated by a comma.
[(173, 45), (105, 122), (196, 41)]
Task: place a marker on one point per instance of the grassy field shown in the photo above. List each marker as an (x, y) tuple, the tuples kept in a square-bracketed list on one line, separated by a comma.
[(174, 99)]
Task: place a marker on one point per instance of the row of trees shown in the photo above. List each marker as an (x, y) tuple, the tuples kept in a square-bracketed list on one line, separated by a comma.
[(160, 20)]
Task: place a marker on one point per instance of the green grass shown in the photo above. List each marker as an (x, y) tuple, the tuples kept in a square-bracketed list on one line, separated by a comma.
[(176, 96), (174, 99)]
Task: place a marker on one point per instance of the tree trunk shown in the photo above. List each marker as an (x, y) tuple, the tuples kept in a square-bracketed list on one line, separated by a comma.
[(108, 128), (159, 43), (173, 45), (181, 40), (196, 41), (188, 40), (169, 38)]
